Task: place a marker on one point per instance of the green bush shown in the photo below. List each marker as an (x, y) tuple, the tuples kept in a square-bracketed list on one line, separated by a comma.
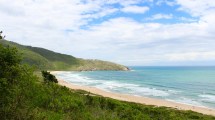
[(15, 82), (48, 77)]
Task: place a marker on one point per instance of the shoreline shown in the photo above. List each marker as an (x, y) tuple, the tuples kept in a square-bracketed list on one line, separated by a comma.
[(137, 99)]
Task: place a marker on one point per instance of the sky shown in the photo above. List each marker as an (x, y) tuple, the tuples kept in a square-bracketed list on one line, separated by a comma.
[(129, 32)]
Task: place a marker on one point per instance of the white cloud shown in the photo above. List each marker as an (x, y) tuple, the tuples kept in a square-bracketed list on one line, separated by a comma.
[(192, 56), (160, 16), (56, 25), (129, 2), (126, 40), (187, 19), (197, 7), (167, 2), (135, 9)]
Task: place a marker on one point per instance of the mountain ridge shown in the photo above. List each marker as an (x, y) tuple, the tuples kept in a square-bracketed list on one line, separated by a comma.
[(44, 59)]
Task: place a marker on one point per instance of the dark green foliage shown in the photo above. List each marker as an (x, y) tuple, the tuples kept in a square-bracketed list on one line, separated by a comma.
[(24, 97), (53, 56), (29, 57), (1, 35), (15, 82), (48, 77)]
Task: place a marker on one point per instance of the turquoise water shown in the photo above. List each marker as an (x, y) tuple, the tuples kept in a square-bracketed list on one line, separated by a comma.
[(188, 85)]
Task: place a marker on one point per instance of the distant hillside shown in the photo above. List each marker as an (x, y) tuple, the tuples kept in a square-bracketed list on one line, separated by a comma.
[(45, 59)]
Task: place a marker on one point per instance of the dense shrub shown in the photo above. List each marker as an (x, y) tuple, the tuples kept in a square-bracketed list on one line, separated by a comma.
[(48, 77), (15, 83)]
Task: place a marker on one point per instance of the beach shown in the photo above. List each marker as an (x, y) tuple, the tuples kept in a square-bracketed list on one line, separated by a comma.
[(137, 99)]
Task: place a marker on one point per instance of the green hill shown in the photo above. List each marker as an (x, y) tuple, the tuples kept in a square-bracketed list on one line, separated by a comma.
[(45, 59)]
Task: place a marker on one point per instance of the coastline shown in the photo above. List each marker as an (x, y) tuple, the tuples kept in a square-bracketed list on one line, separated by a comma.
[(137, 99)]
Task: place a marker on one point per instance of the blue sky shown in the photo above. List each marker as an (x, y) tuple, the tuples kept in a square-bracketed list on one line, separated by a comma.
[(130, 32)]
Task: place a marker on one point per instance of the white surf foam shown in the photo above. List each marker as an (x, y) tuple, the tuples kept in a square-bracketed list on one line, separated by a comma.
[(186, 101), (112, 86), (208, 98), (76, 78), (146, 91)]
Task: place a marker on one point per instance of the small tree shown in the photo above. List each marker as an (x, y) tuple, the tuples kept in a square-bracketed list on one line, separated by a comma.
[(48, 77), (0, 35)]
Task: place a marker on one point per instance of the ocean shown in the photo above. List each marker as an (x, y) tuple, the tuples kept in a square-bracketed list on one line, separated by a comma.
[(187, 85)]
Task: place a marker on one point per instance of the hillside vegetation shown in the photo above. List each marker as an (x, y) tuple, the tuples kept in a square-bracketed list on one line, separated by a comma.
[(26, 97), (44, 59)]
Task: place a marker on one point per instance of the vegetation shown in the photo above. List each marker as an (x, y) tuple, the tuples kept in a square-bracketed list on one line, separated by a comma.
[(23, 96), (44, 59), (47, 77), (1, 35)]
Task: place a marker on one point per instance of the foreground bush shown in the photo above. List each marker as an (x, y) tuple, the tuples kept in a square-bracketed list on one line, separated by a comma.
[(48, 77), (24, 97)]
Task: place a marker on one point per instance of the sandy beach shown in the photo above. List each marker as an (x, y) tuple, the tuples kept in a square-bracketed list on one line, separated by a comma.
[(137, 99)]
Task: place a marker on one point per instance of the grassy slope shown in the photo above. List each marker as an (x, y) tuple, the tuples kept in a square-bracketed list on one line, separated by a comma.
[(99, 65), (49, 60)]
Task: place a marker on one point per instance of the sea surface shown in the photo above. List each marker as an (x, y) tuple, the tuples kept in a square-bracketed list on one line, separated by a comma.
[(187, 85)]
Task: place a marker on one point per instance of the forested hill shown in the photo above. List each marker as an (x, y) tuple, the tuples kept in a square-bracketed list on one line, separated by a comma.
[(45, 59)]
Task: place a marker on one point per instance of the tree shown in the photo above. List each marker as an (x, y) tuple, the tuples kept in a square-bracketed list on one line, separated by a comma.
[(0, 35), (13, 78), (48, 77), (10, 61)]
